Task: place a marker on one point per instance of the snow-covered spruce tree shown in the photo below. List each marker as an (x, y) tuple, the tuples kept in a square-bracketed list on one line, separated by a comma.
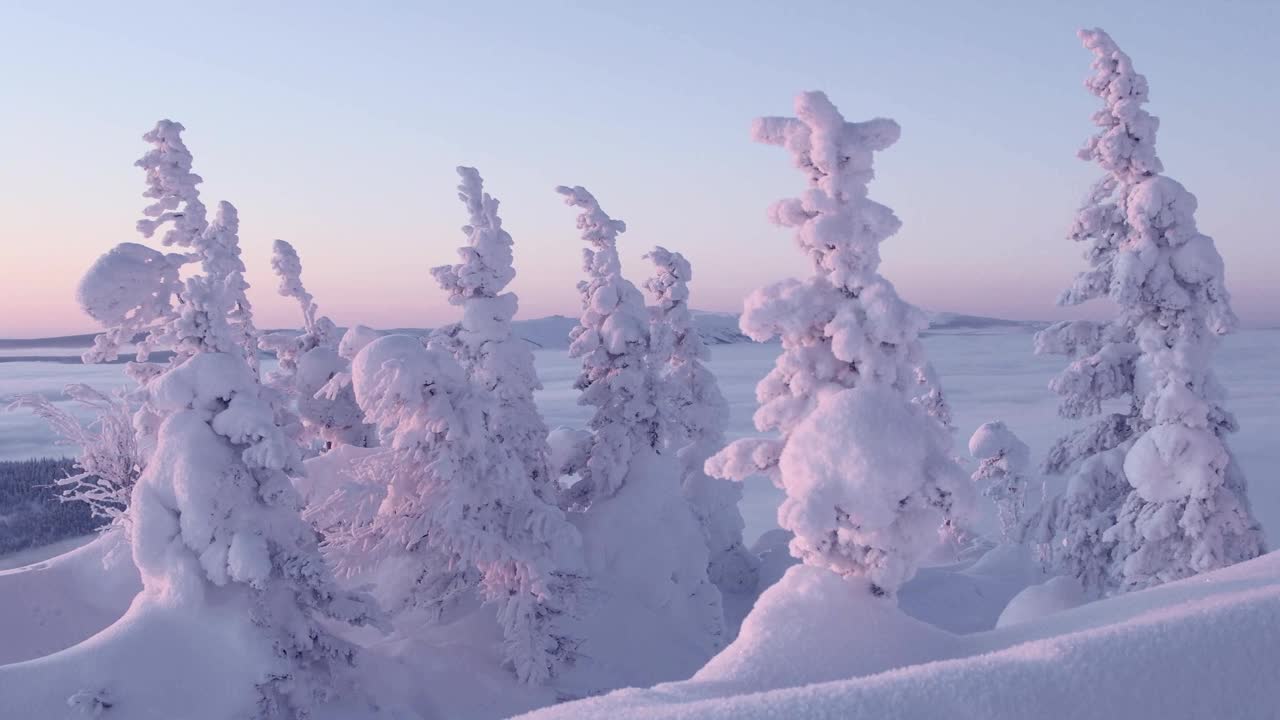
[(1156, 495), (309, 360), (458, 508), (108, 462), (1003, 460), (215, 517), (612, 339), (494, 358), (643, 539), (172, 184), (695, 415), (868, 472)]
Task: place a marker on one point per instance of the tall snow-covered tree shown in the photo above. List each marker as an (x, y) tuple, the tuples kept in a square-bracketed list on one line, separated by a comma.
[(1155, 493), (457, 508), (612, 339), (1003, 460), (695, 415), (309, 360), (483, 343), (216, 520), (643, 538), (868, 471)]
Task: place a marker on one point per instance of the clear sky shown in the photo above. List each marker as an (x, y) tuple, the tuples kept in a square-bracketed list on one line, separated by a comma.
[(337, 126)]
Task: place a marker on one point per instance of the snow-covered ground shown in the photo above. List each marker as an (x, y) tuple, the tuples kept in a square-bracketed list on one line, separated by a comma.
[(989, 373)]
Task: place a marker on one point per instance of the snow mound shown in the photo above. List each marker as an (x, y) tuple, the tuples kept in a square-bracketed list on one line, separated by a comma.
[(54, 604), (1051, 596), (1138, 656), (815, 626)]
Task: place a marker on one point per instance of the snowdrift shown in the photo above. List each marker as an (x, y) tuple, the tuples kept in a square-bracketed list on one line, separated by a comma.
[(54, 604), (1200, 648)]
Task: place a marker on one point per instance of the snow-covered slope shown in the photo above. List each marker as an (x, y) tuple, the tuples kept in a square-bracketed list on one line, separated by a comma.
[(56, 603), (1200, 648)]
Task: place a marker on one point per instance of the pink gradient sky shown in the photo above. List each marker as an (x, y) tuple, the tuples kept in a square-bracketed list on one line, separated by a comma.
[(338, 129)]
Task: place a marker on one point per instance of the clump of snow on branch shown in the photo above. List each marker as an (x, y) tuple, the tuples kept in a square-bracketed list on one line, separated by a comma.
[(494, 358), (867, 468), (458, 511), (1003, 462), (1154, 494), (695, 415)]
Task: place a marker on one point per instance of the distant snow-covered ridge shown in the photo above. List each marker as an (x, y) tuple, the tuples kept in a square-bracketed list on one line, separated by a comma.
[(551, 332)]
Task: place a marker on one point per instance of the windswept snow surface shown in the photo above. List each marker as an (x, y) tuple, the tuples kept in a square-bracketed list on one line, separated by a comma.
[(1199, 648)]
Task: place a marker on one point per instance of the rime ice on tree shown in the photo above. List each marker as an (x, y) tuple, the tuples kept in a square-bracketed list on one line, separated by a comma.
[(309, 361), (215, 516), (1155, 493), (612, 339), (695, 414), (867, 470), (1002, 466), (459, 507), (483, 343)]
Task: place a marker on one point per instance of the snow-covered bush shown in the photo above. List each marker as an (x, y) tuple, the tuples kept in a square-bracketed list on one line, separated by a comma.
[(868, 471), (494, 358), (1155, 494), (695, 415), (456, 510), (1003, 461), (309, 360), (109, 460), (216, 520)]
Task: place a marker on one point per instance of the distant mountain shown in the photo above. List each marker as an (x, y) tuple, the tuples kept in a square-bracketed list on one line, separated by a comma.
[(552, 332)]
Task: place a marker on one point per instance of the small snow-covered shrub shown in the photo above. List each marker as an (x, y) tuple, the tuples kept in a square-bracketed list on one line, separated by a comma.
[(1003, 460)]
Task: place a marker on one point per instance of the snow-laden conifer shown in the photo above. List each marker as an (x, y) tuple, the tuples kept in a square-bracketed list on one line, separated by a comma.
[(644, 541), (216, 520), (309, 360), (867, 470), (612, 340), (695, 415), (494, 358), (455, 510), (1155, 493)]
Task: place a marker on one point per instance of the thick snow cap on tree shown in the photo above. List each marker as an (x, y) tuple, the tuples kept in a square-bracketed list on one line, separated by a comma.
[(1155, 493), (612, 339), (851, 358), (482, 342), (1003, 462)]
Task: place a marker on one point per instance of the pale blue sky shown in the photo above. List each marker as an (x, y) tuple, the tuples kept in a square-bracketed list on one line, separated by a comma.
[(337, 126)]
